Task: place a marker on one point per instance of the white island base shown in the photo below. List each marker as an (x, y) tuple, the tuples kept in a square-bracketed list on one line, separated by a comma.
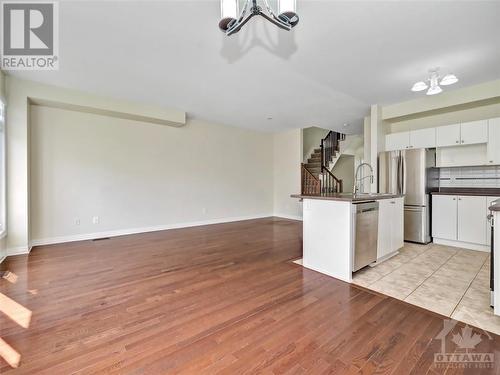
[(328, 237)]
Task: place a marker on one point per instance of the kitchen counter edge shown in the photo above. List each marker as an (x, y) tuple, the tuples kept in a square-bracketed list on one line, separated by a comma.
[(478, 193), (333, 197)]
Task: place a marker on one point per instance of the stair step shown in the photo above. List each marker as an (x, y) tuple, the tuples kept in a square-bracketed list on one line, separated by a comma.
[(315, 171), (313, 165)]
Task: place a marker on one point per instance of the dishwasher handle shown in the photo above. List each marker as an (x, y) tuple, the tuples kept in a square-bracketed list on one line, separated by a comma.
[(367, 210)]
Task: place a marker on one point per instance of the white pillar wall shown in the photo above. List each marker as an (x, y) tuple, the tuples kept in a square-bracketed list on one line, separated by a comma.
[(17, 169), (375, 115)]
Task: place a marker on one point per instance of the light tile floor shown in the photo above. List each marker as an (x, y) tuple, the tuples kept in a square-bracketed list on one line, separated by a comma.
[(447, 280)]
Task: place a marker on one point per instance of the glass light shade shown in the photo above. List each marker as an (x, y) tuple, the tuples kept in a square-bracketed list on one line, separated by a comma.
[(419, 86), (287, 6), (287, 9), (434, 90), (229, 13), (449, 79)]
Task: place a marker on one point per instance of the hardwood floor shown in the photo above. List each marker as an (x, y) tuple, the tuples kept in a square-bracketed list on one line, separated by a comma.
[(215, 299)]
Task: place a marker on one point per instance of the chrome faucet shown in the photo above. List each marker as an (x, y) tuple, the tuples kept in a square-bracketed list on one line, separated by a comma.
[(356, 179)]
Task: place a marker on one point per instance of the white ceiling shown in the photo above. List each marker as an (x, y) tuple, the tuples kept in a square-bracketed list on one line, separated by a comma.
[(342, 57)]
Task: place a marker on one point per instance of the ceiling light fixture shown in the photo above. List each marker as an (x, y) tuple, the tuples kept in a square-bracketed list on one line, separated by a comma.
[(232, 20), (448, 79), (433, 83)]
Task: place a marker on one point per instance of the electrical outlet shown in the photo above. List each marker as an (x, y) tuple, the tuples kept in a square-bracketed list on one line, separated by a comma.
[(95, 220), (77, 221)]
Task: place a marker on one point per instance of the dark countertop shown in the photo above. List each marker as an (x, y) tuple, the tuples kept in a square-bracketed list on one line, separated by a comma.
[(348, 197), (488, 192), (495, 205)]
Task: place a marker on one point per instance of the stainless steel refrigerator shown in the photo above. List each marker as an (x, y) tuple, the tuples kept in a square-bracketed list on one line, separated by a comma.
[(410, 172)]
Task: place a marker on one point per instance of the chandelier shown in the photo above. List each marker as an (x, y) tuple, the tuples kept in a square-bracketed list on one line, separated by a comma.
[(434, 82), (232, 20)]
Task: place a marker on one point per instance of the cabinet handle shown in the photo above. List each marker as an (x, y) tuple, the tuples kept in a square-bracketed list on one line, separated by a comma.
[(454, 199), (392, 202), (463, 141), (457, 141), (491, 161)]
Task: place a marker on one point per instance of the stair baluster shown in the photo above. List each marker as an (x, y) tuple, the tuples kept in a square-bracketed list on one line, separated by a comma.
[(325, 182)]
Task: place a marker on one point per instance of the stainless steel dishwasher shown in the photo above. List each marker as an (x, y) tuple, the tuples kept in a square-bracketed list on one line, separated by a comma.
[(365, 221)]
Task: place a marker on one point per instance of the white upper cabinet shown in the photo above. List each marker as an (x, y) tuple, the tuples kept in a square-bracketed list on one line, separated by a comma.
[(397, 141), (448, 135), (466, 133), (481, 138), (474, 132), (494, 141), (423, 138)]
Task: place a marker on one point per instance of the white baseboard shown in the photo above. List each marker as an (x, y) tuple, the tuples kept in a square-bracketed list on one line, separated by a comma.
[(463, 245), (291, 217), (19, 250), (124, 232)]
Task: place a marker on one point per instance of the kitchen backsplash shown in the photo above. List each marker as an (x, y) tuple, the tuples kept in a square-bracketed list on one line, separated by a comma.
[(470, 177)]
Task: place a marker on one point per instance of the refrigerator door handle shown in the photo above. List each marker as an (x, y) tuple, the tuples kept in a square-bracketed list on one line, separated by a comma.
[(414, 209), (403, 175)]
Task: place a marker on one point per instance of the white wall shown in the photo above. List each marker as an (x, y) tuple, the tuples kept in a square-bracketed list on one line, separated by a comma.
[(311, 139), (287, 149), (19, 94), (344, 170), (138, 176), (3, 240), (2, 84)]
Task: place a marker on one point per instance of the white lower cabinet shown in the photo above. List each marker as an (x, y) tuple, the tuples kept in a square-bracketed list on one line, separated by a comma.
[(472, 220), (444, 217), (390, 226), (462, 219)]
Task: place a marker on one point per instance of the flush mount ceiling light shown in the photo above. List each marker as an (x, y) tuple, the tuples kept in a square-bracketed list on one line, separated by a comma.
[(232, 20), (434, 82)]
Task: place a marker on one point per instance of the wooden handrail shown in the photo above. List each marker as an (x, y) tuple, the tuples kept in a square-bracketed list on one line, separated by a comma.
[(331, 184), (310, 184), (330, 146), (326, 182)]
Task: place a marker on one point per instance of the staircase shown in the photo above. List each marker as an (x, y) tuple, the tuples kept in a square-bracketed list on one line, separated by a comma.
[(316, 176)]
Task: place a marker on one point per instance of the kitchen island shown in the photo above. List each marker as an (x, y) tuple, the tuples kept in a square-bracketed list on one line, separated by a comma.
[(335, 225)]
